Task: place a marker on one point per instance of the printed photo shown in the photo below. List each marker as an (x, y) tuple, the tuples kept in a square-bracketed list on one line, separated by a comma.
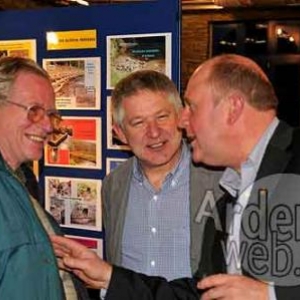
[(129, 53), (91, 243), (74, 202), (112, 163), (76, 82), (20, 48), (75, 143)]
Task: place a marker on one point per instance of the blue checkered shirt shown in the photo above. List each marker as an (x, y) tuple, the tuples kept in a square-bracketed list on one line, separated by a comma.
[(156, 239)]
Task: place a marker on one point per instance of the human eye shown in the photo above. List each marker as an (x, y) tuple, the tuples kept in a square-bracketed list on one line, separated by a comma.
[(35, 113), (36, 109), (137, 123), (163, 116)]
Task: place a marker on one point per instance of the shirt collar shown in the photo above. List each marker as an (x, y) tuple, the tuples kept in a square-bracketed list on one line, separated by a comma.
[(231, 179), (138, 173)]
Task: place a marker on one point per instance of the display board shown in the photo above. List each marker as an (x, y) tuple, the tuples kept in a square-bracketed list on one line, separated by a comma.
[(86, 50)]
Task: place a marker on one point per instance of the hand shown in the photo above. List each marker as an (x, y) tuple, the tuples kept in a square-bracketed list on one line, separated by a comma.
[(232, 287), (83, 262)]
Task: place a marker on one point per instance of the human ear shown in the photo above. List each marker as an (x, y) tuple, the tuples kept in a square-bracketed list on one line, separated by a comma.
[(119, 132), (236, 102)]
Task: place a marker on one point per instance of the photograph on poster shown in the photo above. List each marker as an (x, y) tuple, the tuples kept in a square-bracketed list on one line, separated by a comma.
[(20, 48), (76, 82), (75, 143), (129, 53), (112, 141), (91, 243), (112, 163), (74, 202)]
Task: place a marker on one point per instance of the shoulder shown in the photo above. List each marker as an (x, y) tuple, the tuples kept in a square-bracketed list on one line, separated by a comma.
[(120, 172), (207, 171)]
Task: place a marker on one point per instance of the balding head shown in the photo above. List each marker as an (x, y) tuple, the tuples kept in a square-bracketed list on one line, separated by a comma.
[(234, 73), (229, 98)]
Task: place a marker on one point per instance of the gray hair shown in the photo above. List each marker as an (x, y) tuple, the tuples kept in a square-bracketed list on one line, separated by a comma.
[(10, 67), (139, 81)]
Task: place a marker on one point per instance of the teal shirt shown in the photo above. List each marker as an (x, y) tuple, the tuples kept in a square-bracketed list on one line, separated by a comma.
[(28, 268)]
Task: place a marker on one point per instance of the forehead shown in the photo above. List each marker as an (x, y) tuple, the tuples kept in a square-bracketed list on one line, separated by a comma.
[(146, 100), (199, 83), (33, 87)]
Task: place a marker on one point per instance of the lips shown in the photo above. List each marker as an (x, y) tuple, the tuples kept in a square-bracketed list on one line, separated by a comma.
[(158, 145), (36, 138)]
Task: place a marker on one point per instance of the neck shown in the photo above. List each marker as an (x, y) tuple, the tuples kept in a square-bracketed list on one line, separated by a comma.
[(254, 130), (9, 161), (157, 174)]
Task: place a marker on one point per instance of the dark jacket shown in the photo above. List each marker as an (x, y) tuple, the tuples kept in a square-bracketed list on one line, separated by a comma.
[(282, 156)]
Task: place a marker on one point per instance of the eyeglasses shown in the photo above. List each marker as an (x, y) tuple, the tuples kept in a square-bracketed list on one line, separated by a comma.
[(36, 113)]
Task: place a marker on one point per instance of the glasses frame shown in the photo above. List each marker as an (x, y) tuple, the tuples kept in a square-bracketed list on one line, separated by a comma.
[(51, 113)]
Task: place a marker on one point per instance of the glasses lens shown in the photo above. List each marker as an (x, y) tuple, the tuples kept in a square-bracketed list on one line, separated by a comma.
[(35, 113)]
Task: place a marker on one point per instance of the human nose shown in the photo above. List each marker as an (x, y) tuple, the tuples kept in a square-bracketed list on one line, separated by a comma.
[(153, 129), (184, 118), (47, 123)]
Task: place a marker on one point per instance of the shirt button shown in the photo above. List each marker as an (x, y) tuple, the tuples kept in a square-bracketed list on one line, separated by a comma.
[(153, 229), (155, 197), (152, 263), (173, 183)]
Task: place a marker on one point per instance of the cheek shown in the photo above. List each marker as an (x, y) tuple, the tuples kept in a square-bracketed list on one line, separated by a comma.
[(195, 124), (135, 138), (173, 129)]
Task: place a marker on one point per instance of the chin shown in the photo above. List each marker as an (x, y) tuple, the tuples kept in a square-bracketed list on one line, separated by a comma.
[(196, 156), (35, 156)]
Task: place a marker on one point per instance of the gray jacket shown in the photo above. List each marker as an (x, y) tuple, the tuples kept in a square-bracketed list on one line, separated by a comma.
[(115, 191)]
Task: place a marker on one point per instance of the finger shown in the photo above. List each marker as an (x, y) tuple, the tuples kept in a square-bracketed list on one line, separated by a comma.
[(62, 266), (87, 280), (213, 293), (67, 244), (214, 280), (60, 252), (75, 263)]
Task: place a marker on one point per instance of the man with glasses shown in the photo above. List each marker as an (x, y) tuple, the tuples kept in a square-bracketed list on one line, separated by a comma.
[(28, 268)]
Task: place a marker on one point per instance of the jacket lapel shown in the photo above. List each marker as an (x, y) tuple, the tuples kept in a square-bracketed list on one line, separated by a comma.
[(276, 156), (275, 161)]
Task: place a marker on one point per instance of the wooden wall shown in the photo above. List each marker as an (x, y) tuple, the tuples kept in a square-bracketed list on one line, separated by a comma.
[(195, 31)]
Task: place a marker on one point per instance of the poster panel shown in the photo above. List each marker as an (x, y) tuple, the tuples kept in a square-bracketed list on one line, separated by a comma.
[(75, 143), (76, 82), (112, 163), (92, 243), (129, 53), (20, 48), (74, 202)]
